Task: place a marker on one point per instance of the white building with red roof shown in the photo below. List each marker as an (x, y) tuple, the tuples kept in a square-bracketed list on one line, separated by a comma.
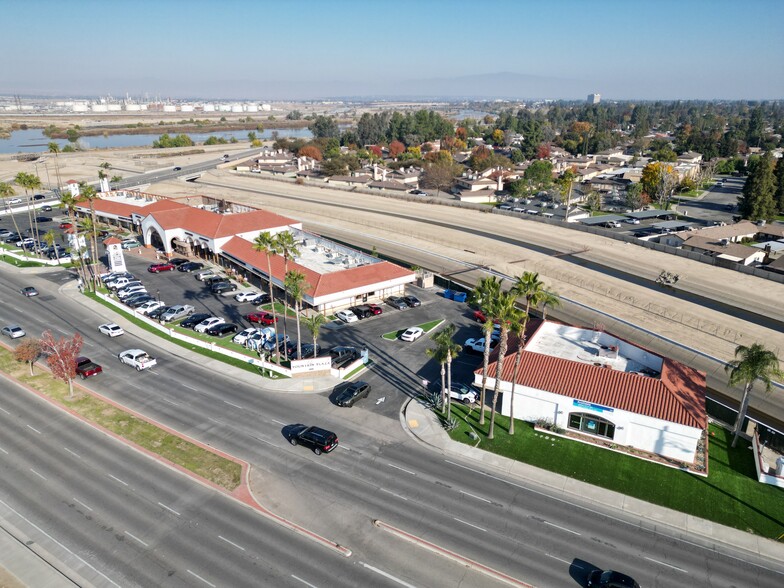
[(595, 384)]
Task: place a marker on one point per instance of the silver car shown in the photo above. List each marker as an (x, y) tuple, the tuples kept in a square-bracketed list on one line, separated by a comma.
[(176, 313)]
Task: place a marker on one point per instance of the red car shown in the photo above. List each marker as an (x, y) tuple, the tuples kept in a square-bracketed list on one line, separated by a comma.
[(160, 267), (86, 368), (479, 316), (375, 308), (263, 318), (66, 225)]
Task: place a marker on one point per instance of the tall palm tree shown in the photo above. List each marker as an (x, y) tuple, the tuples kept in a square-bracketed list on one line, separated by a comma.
[(550, 299), (89, 193), (85, 226), (450, 349), (439, 354), (314, 323), (530, 287), (7, 190), (49, 238), (750, 364), (505, 312), (517, 328), (69, 202), (29, 182), (268, 245), (287, 247), (485, 296), (55, 148), (296, 285)]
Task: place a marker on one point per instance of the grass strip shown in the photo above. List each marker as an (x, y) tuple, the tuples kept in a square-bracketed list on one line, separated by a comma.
[(206, 464), (730, 495)]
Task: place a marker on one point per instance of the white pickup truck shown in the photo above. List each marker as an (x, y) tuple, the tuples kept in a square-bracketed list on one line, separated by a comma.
[(137, 358), (478, 345)]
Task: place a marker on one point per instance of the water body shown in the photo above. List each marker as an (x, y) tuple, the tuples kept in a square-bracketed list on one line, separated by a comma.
[(34, 141)]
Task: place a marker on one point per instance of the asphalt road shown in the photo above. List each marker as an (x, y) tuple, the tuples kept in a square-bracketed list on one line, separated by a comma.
[(377, 473)]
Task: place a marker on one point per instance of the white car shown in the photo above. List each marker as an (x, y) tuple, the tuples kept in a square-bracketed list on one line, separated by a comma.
[(246, 296), (477, 345), (137, 358), (257, 340), (206, 324), (242, 337), (14, 201), (13, 331), (111, 329), (346, 316), (128, 292), (412, 334), (148, 307), (633, 221)]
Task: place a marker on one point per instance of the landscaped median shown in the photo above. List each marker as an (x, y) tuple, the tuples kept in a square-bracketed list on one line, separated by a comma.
[(730, 495), (206, 464), (426, 327)]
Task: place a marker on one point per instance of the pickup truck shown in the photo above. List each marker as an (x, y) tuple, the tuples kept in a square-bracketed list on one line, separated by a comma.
[(137, 358), (85, 367), (478, 345)]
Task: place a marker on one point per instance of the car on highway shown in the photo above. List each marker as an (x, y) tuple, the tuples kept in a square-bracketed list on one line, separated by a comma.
[(350, 395), (397, 302), (137, 358), (223, 287), (29, 291), (477, 345), (190, 266), (246, 296), (178, 168), (412, 301), (208, 323), (111, 329), (241, 337), (610, 579), (459, 392), (160, 267), (263, 318), (318, 439), (222, 329), (46, 208), (194, 319), (150, 306), (418, 192), (346, 316), (13, 331), (14, 201), (174, 313), (412, 334), (85, 367), (39, 197)]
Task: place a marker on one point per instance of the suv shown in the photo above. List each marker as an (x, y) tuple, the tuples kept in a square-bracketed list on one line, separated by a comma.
[(361, 312), (213, 279), (610, 579), (190, 266), (221, 287), (320, 440), (195, 319), (342, 356), (354, 392), (397, 302)]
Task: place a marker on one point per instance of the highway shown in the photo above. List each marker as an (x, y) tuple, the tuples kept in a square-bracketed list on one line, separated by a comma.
[(377, 473)]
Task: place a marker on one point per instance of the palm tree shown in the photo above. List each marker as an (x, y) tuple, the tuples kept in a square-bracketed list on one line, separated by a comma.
[(29, 182), (751, 363), (287, 247), (439, 354), (485, 296), (55, 148), (450, 349), (530, 287), (505, 312), (296, 285), (550, 299), (7, 190), (89, 193), (268, 245), (314, 323), (49, 238), (517, 328), (85, 225)]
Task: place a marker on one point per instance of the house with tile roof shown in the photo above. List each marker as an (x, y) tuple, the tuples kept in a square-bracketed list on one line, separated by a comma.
[(592, 383)]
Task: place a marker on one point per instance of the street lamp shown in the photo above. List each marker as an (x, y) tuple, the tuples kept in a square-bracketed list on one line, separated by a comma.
[(158, 295)]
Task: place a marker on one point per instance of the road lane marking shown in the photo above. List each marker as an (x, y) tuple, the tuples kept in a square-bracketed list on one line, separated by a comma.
[(388, 576), (304, 582), (469, 524), (232, 404), (189, 387), (563, 560), (136, 538), (118, 479), (72, 453), (3, 450), (169, 401), (83, 504), (195, 575), (214, 420), (656, 561), (475, 496), (401, 469), (37, 474), (276, 421), (393, 494), (34, 429), (4, 410), (265, 441), (560, 527), (222, 538), (168, 508)]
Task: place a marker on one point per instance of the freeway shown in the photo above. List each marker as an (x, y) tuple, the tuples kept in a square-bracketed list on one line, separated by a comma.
[(378, 473)]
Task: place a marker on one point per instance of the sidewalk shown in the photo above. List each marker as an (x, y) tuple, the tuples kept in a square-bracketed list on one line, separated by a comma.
[(425, 427)]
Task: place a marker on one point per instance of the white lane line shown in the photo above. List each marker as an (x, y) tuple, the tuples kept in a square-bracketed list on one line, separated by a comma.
[(304, 582), (63, 332), (469, 524), (560, 527), (4, 410), (346, 447), (40, 530), (214, 420), (37, 474), (83, 504), (195, 575), (264, 441), (118, 479), (73, 453), (562, 560), (323, 465), (222, 538), (276, 421), (393, 494), (170, 402), (661, 563), (475, 496), (136, 538), (189, 387), (232, 404), (401, 469), (386, 575), (168, 508), (34, 429), (3, 450)]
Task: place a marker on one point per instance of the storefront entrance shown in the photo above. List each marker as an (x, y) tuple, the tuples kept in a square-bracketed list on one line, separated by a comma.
[(591, 424)]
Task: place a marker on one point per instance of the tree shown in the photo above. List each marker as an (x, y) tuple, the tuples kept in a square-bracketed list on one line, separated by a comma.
[(116, 179), (396, 149), (294, 115), (751, 363), (634, 199), (779, 194), (440, 176), (311, 151), (543, 151), (449, 350), (296, 285), (61, 356), (89, 193), (517, 328), (593, 200), (28, 351), (6, 191), (49, 238), (565, 183), (550, 299), (268, 245), (287, 247), (540, 174), (324, 126), (505, 312), (485, 297), (314, 323), (757, 201), (29, 182), (438, 353), (659, 180)]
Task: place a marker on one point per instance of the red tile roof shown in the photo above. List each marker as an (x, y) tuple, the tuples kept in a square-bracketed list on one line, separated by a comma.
[(321, 284), (677, 396), (214, 225), (111, 241), (125, 209)]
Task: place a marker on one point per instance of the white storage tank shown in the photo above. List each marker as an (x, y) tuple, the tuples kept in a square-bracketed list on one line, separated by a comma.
[(80, 107), (99, 108), (266, 107), (114, 107), (186, 108), (133, 107), (169, 108), (251, 108), (209, 108), (236, 108)]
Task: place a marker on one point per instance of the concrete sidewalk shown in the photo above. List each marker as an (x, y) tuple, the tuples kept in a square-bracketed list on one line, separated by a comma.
[(424, 425)]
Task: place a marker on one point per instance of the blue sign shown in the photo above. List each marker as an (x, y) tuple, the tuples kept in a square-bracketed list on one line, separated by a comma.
[(592, 406)]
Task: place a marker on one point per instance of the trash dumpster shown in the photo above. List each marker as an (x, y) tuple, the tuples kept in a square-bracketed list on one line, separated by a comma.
[(449, 294), (459, 296)]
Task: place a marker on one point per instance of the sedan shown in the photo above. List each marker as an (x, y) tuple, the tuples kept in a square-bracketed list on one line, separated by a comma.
[(137, 302), (150, 306), (418, 192), (347, 316), (397, 302), (14, 201), (178, 261), (39, 197), (633, 221), (263, 318), (160, 267), (111, 329), (194, 320), (222, 329), (46, 208), (43, 219), (610, 579), (29, 291), (375, 308), (412, 301), (13, 331), (178, 168), (412, 334), (66, 225), (190, 266), (354, 392), (242, 337), (221, 287), (246, 296), (207, 323), (158, 312)]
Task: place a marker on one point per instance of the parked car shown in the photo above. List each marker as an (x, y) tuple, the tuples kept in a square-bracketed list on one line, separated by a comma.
[(222, 329), (272, 343), (308, 351), (65, 225), (360, 312), (242, 337), (412, 334), (13, 331), (207, 323), (477, 345), (375, 308), (121, 282), (137, 358), (43, 219), (194, 320), (397, 302), (178, 261), (412, 301), (458, 392), (256, 341), (262, 298), (203, 275), (85, 367), (160, 267), (318, 439), (149, 306), (156, 314), (346, 316), (342, 356), (111, 277), (633, 221), (127, 291), (176, 312), (130, 245), (190, 266), (263, 318), (610, 579), (246, 296), (29, 291), (352, 393), (418, 193), (111, 329), (222, 287), (214, 279), (137, 302)]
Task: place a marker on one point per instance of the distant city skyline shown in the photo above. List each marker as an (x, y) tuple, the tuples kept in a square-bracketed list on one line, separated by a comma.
[(407, 49)]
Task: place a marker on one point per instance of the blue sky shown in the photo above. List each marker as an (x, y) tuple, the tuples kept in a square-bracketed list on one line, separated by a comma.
[(300, 49)]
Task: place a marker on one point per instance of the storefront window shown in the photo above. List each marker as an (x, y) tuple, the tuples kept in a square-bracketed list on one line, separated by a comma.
[(592, 424)]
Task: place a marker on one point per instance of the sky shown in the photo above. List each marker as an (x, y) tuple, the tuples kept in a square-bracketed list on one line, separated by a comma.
[(416, 49)]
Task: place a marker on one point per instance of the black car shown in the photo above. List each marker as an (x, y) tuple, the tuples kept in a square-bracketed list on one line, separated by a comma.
[(221, 287), (354, 392), (211, 280), (222, 329), (137, 302), (342, 356), (190, 266), (43, 219), (610, 579), (178, 168), (318, 439), (397, 302), (46, 208), (195, 319), (412, 301), (360, 312), (307, 351), (13, 238), (178, 261), (262, 298), (39, 197), (156, 314)]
